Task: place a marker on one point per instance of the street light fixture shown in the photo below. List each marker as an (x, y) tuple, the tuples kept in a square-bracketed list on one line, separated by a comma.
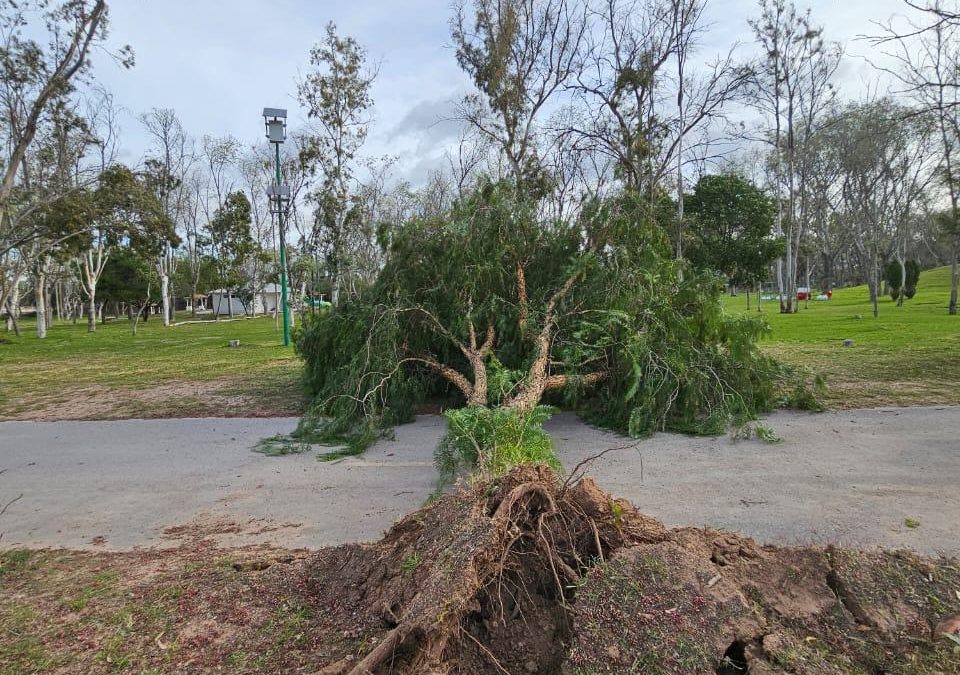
[(275, 124), (275, 121)]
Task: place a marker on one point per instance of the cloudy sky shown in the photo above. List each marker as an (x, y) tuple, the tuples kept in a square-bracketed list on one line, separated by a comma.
[(219, 63)]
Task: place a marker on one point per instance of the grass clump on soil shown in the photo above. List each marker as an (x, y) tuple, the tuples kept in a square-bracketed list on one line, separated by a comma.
[(518, 574), (491, 441)]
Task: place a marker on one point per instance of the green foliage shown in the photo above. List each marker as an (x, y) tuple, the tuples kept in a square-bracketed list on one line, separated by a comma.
[(229, 231), (731, 224), (640, 342), (128, 278), (893, 275), (492, 440)]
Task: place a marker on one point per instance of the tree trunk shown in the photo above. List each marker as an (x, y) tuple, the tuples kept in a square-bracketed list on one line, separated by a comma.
[(13, 307), (954, 283), (335, 291), (39, 292), (523, 309), (92, 310), (165, 298), (12, 318), (903, 280)]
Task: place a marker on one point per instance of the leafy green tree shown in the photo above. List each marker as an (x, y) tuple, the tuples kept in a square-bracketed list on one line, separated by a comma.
[(130, 279), (337, 97), (731, 224), (233, 244)]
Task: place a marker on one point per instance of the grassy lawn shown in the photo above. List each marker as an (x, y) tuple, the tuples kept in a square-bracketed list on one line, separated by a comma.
[(186, 370), (908, 355)]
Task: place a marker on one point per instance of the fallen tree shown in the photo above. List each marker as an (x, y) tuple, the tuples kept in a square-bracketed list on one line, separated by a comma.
[(490, 306)]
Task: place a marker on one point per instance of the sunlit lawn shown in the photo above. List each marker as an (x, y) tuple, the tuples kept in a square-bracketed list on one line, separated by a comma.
[(908, 355), (182, 370)]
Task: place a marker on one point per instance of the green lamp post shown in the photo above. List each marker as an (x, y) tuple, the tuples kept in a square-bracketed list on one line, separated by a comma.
[(275, 121)]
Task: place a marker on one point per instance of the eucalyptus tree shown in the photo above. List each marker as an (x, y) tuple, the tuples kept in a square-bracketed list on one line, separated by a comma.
[(792, 87), (928, 68), (168, 166), (336, 94), (884, 155), (123, 211), (232, 244), (520, 54), (642, 101), (36, 76)]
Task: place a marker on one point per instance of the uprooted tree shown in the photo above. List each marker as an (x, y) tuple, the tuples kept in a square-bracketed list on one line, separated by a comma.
[(503, 312)]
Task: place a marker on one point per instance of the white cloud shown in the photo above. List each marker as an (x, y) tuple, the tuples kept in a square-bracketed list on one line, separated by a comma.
[(217, 64)]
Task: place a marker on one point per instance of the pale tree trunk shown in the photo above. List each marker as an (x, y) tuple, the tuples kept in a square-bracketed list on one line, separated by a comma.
[(335, 291), (12, 318), (92, 310), (91, 268), (13, 306), (903, 279), (39, 291), (165, 297)]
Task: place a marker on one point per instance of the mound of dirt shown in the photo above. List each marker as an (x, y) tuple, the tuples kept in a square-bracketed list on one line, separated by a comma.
[(528, 575)]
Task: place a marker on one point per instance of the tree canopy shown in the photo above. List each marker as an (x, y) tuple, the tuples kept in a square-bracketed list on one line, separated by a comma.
[(603, 321), (731, 225)]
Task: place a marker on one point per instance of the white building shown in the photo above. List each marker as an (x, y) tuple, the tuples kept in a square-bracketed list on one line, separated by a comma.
[(265, 302)]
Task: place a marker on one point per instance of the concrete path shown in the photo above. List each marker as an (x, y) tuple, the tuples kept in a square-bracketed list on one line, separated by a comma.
[(849, 477)]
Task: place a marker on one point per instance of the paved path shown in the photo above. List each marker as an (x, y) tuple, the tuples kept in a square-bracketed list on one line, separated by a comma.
[(849, 477)]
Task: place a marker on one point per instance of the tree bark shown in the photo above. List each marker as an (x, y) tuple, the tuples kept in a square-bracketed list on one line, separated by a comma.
[(523, 308), (92, 309), (954, 283), (165, 298), (39, 292)]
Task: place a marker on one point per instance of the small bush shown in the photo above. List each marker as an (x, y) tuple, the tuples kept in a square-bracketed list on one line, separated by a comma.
[(492, 440)]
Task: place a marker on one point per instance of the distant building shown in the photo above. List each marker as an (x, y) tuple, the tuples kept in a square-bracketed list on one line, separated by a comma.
[(266, 301)]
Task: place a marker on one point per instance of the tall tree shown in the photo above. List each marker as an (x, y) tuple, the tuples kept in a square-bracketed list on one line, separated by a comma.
[(167, 169), (36, 76), (792, 87), (928, 57), (520, 54), (232, 243), (336, 94), (884, 158), (122, 211)]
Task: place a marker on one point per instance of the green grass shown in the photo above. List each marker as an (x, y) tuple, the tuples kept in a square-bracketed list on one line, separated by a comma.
[(186, 370), (908, 355)]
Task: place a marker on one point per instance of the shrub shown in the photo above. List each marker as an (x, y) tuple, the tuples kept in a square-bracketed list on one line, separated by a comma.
[(493, 440), (892, 275)]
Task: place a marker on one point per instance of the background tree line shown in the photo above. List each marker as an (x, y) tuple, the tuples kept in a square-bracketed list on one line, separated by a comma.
[(757, 168)]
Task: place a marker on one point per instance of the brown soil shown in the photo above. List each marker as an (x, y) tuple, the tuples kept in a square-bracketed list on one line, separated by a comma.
[(211, 398), (520, 575)]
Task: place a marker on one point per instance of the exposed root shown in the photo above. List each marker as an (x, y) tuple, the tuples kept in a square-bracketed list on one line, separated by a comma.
[(525, 575)]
